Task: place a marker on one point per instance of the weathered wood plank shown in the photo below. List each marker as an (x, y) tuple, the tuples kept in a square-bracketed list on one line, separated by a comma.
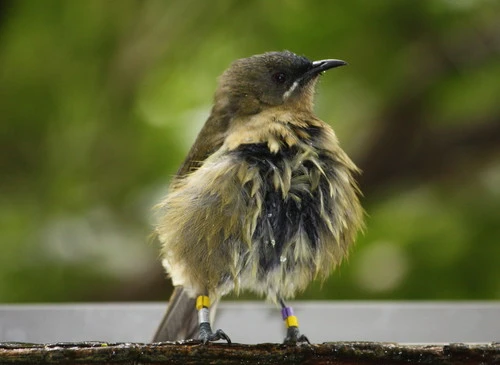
[(190, 353)]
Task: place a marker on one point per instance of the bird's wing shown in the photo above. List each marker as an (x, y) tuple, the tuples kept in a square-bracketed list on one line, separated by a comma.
[(209, 140)]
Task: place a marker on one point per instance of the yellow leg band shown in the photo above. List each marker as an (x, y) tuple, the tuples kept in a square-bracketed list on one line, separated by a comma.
[(202, 301), (291, 321)]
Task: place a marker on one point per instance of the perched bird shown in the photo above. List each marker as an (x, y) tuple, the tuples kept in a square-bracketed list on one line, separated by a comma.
[(265, 200)]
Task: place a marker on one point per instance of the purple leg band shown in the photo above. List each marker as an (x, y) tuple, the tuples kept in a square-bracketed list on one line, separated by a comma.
[(286, 312)]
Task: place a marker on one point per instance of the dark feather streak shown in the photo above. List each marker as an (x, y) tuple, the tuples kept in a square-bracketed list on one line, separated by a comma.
[(282, 219)]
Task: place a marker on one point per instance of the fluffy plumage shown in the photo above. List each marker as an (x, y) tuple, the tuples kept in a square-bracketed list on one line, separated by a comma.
[(266, 199)]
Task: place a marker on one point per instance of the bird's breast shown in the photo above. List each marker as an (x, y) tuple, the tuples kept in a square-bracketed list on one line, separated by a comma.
[(266, 216), (292, 193)]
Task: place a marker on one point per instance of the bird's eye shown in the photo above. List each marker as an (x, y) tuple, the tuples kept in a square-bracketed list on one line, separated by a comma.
[(279, 77)]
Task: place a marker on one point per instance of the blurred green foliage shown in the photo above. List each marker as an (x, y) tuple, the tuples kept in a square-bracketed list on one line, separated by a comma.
[(100, 101)]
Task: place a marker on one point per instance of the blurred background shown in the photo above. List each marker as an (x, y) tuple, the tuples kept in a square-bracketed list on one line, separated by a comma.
[(100, 101)]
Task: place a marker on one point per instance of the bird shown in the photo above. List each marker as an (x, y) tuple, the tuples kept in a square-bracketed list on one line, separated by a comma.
[(265, 201)]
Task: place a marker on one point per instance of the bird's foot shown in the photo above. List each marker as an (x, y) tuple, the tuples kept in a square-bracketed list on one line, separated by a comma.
[(206, 334), (293, 337)]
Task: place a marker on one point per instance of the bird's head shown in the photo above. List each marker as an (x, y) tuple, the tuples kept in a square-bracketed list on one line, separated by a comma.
[(270, 79)]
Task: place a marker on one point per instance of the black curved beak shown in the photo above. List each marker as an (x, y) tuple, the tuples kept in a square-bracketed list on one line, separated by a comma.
[(323, 65), (318, 67)]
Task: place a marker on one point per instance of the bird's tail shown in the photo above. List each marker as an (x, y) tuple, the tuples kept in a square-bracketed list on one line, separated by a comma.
[(180, 321)]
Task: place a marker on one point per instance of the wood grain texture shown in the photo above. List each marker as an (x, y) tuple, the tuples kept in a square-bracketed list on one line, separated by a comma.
[(190, 353)]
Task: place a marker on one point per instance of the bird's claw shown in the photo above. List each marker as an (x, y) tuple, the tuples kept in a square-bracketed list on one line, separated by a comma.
[(293, 337), (206, 334)]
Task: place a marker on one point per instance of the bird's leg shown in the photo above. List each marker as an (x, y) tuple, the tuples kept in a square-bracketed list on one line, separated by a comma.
[(293, 336), (206, 334)]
